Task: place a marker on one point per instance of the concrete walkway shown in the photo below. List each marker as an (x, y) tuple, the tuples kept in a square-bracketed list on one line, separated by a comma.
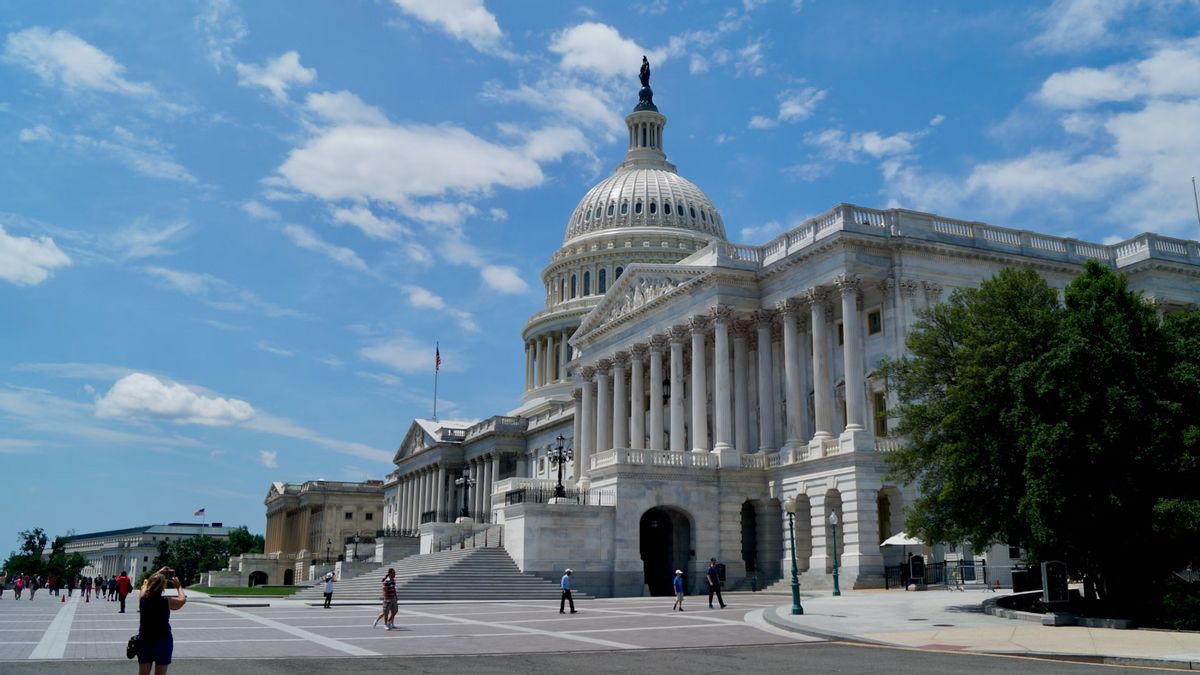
[(954, 621)]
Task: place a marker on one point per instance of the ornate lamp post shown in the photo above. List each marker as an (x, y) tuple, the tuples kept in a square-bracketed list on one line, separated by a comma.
[(465, 482), (790, 507), (833, 522), (328, 546), (560, 455)]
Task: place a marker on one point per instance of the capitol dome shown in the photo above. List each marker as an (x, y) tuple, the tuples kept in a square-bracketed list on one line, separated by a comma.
[(645, 197)]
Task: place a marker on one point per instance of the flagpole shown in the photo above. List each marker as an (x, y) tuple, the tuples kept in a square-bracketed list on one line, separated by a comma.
[(437, 367)]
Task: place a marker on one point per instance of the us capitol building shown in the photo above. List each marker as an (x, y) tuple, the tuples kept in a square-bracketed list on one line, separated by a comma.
[(698, 384)]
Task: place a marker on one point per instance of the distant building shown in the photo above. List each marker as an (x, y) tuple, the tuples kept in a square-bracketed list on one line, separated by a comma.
[(133, 549)]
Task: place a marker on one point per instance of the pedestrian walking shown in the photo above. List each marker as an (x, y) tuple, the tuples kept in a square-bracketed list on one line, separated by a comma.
[(18, 586), (714, 583), (86, 589), (566, 594), (124, 586), (678, 583), (3, 580), (33, 586), (155, 644), (328, 589), (390, 602)]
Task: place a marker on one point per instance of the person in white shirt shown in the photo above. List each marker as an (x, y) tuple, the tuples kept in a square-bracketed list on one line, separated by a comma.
[(328, 589)]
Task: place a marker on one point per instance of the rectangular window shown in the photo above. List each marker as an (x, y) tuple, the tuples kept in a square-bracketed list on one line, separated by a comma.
[(145, 558), (1014, 552), (370, 516), (881, 425), (841, 334), (349, 515), (874, 322)]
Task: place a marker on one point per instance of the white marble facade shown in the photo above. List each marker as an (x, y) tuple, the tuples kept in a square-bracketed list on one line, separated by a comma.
[(700, 383)]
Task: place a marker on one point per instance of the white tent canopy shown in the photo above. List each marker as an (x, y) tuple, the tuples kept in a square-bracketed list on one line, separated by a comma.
[(901, 539)]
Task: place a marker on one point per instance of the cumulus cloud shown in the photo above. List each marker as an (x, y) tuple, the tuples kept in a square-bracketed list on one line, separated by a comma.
[(307, 239), (28, 261), (406, 355), (1172, 72), (139, 395), (1073, 25), (761, 233), (277, 75), (423, 298), (467, 20), (256, 209), (344, 107), (600, 49), (368, 223), (268, 458), (750, 59), (64, 59), (504, 279)]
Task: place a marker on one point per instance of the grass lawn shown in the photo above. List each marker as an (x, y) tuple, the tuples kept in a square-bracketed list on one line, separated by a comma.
[(276, 591)]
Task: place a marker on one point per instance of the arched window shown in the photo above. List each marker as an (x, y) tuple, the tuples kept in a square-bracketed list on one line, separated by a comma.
[(679, 209), (602, 282), (624, 208), (653, 208), (637, 208), (617, 275), (572, 286), (610, 209), (562, 290), (704, 216), (643, 137), (667, 209), (693, 210), (587, 283), (599, 211)]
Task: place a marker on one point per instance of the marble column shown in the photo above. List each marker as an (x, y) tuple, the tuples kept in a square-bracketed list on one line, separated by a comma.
[(539, 364), (657, 344), (577, 423), (822, 393), (423, 495), (563, 356), (528, 366), (741, 386), (791, 368), (583, 450), (699, 389), (551, 366), (603, 407), (620, 402), (722, 388), (766, 392), (486, 492), (678, 432), (477, 498), (856, 435), (440, 508), (637, 397), (413, 521), (493, 478)]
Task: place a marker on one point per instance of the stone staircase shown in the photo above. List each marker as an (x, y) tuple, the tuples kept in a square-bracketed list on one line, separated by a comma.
[(475, 574)]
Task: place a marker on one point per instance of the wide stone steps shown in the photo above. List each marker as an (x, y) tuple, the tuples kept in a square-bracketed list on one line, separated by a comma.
[(460, 574)]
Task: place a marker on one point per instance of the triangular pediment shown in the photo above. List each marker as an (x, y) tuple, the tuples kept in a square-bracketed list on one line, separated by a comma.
[(414, 442), (641, 288)]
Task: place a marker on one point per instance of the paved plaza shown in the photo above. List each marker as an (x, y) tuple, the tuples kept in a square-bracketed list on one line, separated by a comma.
[(47, 629)]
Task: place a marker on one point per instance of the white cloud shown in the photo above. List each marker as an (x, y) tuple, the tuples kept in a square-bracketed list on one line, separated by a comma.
[(144, 396), (222, 27), (600, 49), (268, 458), (551, 143), (219, 293), (722, 139), (269, 348), (62, 58), (406, 355), (368, 223), (146, 156), (1172, 72), (590, 106), (277, 74), (344, 107), (467, 20), (498, 215), (142, 239), (256, 209), (762, 122), (750, 59), (307, 239), (795, 106), (28, 261), (423, 298), (1073, 25), (837, 144), (504, 279), (762, 232), (40, 132)]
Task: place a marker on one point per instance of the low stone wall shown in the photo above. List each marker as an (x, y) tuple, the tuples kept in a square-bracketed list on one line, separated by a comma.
[(545, 539), (995, 607)]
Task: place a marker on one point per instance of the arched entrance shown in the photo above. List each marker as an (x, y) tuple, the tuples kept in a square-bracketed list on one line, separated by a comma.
[(665, 544), (258, 578), (749, 537), (289, 577)]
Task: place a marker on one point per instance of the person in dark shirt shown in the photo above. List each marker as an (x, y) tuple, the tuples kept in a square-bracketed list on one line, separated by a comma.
[(390, 601), (155, 643), (714, 583)]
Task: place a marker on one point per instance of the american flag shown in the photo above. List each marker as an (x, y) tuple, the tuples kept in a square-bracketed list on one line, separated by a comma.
[(437, 362), (199, 512)]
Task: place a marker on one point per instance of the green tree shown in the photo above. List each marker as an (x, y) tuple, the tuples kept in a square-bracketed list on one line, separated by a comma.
[(241, 541), (29, 558), (1067, 430)]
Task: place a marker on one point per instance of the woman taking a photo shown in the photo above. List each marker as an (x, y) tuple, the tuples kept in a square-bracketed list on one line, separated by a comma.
[(155, 643)]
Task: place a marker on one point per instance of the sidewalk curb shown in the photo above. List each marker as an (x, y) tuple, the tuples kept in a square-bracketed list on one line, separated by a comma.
[(773, 616)]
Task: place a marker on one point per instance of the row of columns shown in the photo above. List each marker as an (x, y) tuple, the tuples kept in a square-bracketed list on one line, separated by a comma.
[(433, 488), (546, 358), (606, 420)]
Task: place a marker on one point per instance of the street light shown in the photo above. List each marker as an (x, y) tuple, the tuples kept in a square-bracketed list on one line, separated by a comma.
[(559, 455), (355, 547), (833, 521), (465, 482), (790, 507), (328, 546)]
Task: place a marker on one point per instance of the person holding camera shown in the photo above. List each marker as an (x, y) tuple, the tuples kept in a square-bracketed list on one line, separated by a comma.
[(155, 643)]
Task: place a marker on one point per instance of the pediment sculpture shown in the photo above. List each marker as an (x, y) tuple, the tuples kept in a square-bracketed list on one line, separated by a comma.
[(641, 293)]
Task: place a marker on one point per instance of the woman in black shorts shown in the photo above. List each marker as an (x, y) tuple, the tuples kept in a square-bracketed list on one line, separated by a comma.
[(155, 643)]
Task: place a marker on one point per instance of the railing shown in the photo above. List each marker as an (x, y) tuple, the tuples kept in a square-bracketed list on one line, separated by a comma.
[(631, 457), (830, 446), (799, 454), (492, 537), (887, 444), (497, 423), (390, 532), (541, 495), (773, 460), (954, 574), (453, 434), (755, 461)]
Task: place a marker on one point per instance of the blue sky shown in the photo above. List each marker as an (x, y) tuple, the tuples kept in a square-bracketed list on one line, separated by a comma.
[(232, 232)]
